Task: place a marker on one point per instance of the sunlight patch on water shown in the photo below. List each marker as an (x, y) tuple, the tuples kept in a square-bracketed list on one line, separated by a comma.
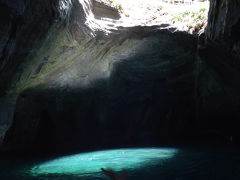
[(90, 163)]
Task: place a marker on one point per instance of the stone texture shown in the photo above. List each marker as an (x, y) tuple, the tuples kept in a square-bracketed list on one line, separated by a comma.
[(105, 10), (81, 84), (130, 94), (218, 72), (81, 81), (27, 31), (224, 24)]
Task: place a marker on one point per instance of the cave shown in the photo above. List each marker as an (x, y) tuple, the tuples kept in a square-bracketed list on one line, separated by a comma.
[(98, 89)]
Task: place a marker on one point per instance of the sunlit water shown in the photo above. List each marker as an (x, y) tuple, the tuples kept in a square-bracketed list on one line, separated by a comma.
[(90, 163), (139, 164)]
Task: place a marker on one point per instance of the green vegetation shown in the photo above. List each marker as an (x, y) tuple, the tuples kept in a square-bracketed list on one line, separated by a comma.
[(117, 5), (195, 20), (190, 18)]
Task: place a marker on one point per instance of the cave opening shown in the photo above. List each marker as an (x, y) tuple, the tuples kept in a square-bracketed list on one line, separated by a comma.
[(187, 15)]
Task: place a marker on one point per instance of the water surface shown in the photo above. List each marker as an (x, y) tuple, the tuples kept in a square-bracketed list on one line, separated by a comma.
[(139, 164)]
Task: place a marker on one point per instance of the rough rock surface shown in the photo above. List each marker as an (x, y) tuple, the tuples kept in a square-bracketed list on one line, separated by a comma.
[(75, 74), (218, 71), (104, 9), (85, 79), (6, 116), (132, 95), (27, 31), (224, 24)]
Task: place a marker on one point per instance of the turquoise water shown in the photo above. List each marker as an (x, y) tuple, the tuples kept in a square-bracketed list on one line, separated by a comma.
[(91, 163), (139, 164)]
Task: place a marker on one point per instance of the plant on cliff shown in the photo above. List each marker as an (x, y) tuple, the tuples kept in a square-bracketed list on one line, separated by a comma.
[(117, 5), (194, 20), (191, 18)]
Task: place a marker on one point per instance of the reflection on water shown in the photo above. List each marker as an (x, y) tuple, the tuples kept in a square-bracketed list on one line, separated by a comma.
[(140, 164), (91, 163)]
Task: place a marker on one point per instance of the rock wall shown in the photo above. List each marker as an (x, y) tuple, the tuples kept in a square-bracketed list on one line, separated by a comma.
[(139, 94), (24, 25), (224, 24), (88, 84), (27, 31), (79, 81), (218, 72), (6, 116)]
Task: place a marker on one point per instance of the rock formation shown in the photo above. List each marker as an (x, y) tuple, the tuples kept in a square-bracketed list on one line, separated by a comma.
[(81, 79), (217, 83)]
